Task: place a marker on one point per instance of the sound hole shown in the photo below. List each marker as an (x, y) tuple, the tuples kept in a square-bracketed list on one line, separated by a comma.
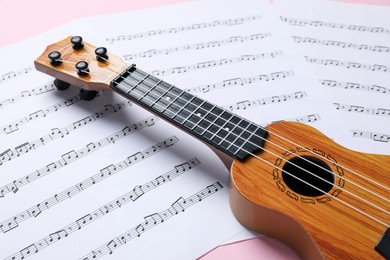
[(301, 167)]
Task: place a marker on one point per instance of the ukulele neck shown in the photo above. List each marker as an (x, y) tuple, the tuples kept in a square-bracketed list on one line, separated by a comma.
[(229, 133)]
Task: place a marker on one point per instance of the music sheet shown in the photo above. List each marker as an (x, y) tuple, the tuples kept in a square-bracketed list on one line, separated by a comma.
[(348, 47), (86, 179)]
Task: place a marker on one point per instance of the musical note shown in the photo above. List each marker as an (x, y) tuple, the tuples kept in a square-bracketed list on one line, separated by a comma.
[(214, 63), (377, 137), (14, 126), (364, 110), (348, 65), (25, 94), (348, 45), (106, 172), (355, 86), (197, 46), (81, 222), (155, 219), (70, 156), (359, 28), (175, 30), (14, 74), (84, 221), (237, 82), (265, 101)]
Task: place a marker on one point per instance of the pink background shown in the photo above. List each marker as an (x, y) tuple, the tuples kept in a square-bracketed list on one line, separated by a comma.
[(20, 20)]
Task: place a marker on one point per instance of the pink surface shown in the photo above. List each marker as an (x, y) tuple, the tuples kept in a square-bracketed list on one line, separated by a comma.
[(22, 19)]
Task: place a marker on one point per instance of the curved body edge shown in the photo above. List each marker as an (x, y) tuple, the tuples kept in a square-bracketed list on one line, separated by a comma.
[(316, 227)]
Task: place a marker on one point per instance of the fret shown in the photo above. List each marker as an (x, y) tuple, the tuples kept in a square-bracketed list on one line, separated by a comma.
[(228, 139), (204, 123), (166, 91), (254, 142), (138, 83), (184, 111), (241, 134), (152, 88), (251, 133), (170, 108), (214, 127), (223, 129)]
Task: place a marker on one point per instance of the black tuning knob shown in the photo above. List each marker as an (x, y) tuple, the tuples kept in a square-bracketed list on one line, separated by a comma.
[(82, 68), (87, 94), (61, 85), (55, 58), (101, 54), (77, 42)]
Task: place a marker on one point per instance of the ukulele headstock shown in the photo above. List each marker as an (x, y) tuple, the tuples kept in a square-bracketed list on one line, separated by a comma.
[(72, 61)]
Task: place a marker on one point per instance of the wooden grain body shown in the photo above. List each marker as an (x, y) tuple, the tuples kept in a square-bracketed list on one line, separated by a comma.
[(316, 227)]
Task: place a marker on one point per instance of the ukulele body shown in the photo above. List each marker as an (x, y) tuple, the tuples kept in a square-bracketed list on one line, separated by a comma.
[(320, 226)]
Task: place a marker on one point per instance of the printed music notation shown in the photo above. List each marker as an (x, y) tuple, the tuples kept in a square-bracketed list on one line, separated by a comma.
[(341, 44), (36, 210), (73, 155), (241, 81), (306, 119), (119, 202), (302, 119), (184, 28), (14, 126), (27, 93), (354, 85), (153, 220), (215, 63), (348, 64), (14, 74), (350, 27), (378, 137), (363, 110), (197, 46), (265, 101), (57, 133)]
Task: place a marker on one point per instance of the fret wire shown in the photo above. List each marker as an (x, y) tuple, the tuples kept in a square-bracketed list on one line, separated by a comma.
[(139, 82), (188, 101), (235, 126), (222, 127), (192, 113), (147, 92), (247, 139), (239, 136), (170, 103), (172, 86), (211, 123)]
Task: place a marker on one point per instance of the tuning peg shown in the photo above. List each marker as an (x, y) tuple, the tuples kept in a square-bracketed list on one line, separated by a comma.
[(61, 85), (87, 94), (77, 42), (55, 58), (101, 54), (82, 68)]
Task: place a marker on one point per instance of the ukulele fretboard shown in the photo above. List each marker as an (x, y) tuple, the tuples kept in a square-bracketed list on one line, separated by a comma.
[(222, 129)]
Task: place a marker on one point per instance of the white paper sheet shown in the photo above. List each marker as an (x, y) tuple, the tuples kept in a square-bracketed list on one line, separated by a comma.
[(71, 170), (75, 174), (348, 47)]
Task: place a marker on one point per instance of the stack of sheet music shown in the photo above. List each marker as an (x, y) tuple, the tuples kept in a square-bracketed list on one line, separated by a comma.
[(85, 179)]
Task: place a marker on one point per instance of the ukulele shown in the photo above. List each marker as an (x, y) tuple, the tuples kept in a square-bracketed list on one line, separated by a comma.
[(288, 180)]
